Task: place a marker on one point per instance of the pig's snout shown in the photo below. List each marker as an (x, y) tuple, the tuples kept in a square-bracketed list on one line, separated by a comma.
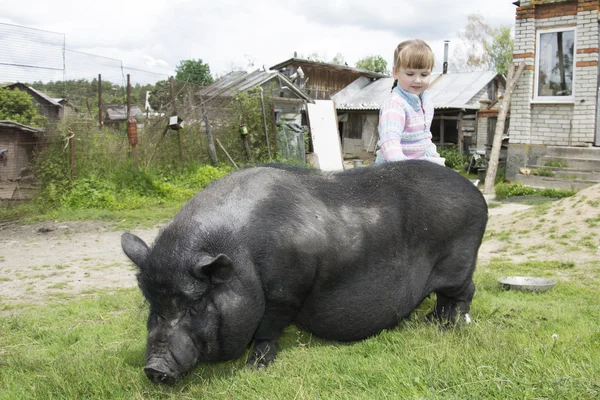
[(158, 376)]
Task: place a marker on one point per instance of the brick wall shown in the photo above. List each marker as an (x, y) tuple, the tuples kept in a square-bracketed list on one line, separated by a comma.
[(557, 124)]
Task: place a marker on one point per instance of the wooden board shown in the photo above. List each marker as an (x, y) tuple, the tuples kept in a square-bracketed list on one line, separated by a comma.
[(322, 119)]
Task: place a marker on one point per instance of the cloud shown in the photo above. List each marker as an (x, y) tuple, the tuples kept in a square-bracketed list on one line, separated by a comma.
[(153, 62), (226, 34)]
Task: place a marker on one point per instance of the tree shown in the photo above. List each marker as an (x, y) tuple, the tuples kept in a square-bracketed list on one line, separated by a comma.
[(500, 49), (193, 71), (374, 63), (160, 95), (338, 59), (17, 106), (482, 47)]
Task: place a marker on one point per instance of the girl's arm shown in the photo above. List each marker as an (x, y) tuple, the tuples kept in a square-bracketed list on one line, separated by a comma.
[(392, 120)]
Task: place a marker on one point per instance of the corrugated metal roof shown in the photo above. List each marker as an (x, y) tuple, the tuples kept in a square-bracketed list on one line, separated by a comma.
[(118, 112), (458, 89), (363, 94), (241, 81), (220, 85), (451, 90), (296, 60), (26, 128)]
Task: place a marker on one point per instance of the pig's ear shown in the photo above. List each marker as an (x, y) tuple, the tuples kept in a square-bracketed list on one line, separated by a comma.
[(217, 269), (135, 248)]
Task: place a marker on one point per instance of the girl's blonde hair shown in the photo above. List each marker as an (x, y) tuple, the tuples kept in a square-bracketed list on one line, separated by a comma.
[(414, 54)]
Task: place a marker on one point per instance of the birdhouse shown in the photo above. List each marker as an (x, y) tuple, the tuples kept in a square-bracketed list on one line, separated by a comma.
[(175, 123)]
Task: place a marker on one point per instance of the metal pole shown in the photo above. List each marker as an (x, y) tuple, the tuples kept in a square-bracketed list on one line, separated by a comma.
[(262, 101)]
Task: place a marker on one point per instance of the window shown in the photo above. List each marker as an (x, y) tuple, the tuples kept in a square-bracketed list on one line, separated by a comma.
[(555, 55), (492, 90), (491, 125)]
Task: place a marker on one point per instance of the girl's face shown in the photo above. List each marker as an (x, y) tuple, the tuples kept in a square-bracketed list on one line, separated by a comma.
[(414, 81)]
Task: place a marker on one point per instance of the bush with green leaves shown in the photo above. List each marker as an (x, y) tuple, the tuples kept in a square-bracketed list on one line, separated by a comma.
[(17, 106), (454, 159), (556, 164), (514, 189), (543, 171)]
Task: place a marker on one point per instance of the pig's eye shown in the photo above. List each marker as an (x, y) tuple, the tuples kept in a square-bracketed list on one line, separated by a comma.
[(198, 307)]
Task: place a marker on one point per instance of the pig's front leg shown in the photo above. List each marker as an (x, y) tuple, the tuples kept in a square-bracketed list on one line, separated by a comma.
[(277, 317)]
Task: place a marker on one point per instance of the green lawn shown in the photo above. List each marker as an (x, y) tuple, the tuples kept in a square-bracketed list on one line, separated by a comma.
[(519, 346)]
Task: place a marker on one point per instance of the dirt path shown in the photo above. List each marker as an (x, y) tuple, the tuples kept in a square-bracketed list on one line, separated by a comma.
[(64, 260)]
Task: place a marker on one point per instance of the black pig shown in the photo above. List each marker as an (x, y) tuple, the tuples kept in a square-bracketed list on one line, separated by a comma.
[(342, 255)]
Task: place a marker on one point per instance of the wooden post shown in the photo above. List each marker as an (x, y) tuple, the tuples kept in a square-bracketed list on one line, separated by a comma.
[(128, 97), (72, 153), (132, 141), (461, 134), (227, 154), (99, 101), (212, 150), (511, 83), (262, 101), (172, 92)]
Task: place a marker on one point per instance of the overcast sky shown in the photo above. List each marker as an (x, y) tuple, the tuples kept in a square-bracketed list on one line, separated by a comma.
[(155, 35)]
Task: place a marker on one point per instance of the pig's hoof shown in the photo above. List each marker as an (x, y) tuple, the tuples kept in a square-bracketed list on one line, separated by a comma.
[(259, 363)]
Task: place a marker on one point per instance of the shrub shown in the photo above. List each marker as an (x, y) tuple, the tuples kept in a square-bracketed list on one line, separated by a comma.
[(454, 159), (544, 171), (513, 189), (556, 164), (91, 192)]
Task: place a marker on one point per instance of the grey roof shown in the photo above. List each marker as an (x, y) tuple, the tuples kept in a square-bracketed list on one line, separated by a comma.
[(296, 60), (363, 94), (451, 90), (118, 112), (456, 90), (37, 92), (240, 81), (22, 127)]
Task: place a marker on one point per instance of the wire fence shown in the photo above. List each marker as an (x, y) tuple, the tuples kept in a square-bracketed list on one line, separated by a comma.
[(92, 131)]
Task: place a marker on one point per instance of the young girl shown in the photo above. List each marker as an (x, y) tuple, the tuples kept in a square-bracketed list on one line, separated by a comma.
[(405, 118)]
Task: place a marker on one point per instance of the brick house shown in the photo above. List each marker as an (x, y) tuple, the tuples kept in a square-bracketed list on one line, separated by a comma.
[(554, 110)]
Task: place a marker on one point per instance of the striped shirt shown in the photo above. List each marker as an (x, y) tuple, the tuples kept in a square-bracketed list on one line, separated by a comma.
[(404, 128)]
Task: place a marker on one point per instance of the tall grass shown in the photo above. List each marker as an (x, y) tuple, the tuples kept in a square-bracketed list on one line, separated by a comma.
[(519, 346)]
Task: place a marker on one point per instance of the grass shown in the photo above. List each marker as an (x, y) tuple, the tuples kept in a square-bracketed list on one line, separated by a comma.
[(123, 219), (520, 345), (556, 164)]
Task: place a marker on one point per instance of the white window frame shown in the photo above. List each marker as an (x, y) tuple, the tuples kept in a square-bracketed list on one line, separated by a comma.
[(554, 99)]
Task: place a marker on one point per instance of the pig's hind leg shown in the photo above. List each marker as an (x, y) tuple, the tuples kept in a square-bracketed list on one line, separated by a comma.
[(453, 303)]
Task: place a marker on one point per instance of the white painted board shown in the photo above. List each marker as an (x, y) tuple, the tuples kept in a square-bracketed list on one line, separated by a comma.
[(325, 136)]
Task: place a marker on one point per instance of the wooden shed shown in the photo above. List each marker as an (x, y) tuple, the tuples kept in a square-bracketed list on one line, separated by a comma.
[(46, 106), (17, 143), (321, 80), (456, 98)]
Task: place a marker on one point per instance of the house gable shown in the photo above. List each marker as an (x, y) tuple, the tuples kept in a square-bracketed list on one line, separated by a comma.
[(45, 105), (565, 119), (321, 80)]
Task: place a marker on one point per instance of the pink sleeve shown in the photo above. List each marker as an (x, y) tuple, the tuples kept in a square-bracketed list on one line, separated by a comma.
[(392, 119)]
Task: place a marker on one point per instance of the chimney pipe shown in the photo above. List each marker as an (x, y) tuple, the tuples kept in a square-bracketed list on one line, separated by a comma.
[(445, 65)]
